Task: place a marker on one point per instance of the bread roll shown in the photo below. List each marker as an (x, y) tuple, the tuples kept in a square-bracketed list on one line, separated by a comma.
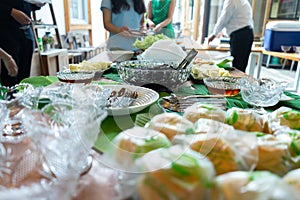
[(170, 124), (245, 120), (227, 151), (274, 155), (134, 143), (175, 173), (208, 111), (287, 117), (210, 126), (250, 185), (292, 178)]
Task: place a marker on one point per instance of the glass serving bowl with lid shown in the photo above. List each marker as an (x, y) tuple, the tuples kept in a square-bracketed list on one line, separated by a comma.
[(144, 72)]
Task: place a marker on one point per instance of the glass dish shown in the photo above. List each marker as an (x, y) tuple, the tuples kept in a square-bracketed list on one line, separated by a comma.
[(285, 48), (87, 66), (223, 85), (68, 76), (143, 72), (261, 92)]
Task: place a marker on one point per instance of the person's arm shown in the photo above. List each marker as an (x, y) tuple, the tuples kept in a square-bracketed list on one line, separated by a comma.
[(9, 62), (149, 15), (142, 23), (108, 25), (20, 17), (226, 15), (164, 23)]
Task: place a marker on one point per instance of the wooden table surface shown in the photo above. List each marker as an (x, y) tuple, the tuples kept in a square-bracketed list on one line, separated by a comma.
[(289, 56)]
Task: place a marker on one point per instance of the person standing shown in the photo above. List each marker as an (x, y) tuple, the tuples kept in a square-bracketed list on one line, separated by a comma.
[(119, 17), (236, 17), (16, 37), (160, 14)]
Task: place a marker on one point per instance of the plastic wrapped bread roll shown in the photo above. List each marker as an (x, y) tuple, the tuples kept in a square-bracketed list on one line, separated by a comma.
[(286, 117), (274, 155), (292, 178), (291, 138), (245, 120), (228, 152), (170, 124), (208, 111), (175, 173), (133, 143), (251, 186), (210, 126)]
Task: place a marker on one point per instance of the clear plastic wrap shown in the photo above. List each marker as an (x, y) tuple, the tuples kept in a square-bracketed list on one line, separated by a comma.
[(274, 155), (198, 110), (204, 125), (170, 124), (284, 116), (292, 139), (292, 178), (245, 120), (258, 185), (131, 144), (228, 151), (175, 173)]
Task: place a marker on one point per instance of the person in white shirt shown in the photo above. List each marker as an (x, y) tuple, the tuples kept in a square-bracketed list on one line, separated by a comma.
[(236, 18)]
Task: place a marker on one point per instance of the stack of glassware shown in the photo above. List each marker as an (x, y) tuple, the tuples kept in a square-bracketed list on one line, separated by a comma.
[(44, 151)]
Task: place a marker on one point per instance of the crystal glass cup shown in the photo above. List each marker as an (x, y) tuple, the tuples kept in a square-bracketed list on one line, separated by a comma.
[(66, 129), (262, 92), (285, 48)]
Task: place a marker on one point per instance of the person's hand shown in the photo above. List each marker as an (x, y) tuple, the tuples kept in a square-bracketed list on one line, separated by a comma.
[(11, 66), (157, 28), (211, 38), (124, 31), (20, 17), (151, 24)]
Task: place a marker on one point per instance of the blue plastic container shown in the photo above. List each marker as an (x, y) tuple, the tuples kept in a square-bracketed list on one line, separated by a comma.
[(279, 33)]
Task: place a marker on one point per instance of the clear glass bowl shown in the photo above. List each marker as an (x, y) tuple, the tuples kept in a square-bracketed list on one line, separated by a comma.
[(223, 85), (261, 92), (68, 76), (285, 48), (143, 72)]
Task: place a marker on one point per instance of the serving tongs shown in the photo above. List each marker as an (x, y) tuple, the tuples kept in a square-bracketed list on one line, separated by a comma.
[(138, 33), (188, 59)]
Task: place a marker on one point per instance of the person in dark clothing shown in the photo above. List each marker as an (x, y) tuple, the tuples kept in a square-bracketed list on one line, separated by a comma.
[(16, 37), (236, 17)]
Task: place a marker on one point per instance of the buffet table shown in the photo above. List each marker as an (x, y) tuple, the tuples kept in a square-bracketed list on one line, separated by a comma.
[(110, 126), (100, 181)]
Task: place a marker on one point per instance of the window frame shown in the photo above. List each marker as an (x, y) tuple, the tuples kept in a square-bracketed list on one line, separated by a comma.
[(71, 27)]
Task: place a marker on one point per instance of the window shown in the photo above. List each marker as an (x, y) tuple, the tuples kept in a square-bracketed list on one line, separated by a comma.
[(79, 12), (285, 9), (78, 17)]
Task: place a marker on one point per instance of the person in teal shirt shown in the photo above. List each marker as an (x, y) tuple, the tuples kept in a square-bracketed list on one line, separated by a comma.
[(119, 17), (160, 14)]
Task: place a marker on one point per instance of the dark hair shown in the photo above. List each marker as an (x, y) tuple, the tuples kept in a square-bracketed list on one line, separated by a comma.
[(118, 5)]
